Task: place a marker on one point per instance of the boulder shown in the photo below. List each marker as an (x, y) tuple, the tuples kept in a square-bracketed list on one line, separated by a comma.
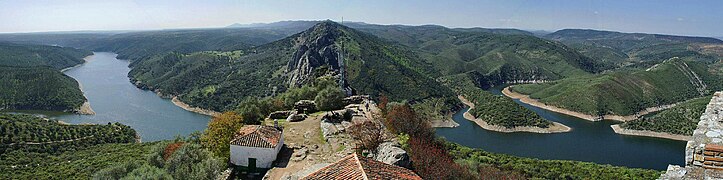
[(392, 153), (296, 117), (281, 114)]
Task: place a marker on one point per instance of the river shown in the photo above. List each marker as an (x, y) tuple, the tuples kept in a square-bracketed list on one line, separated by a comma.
[(588, 141), (104, 81)]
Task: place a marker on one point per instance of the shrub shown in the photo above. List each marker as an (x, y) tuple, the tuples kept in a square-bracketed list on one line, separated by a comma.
[(330, 99)]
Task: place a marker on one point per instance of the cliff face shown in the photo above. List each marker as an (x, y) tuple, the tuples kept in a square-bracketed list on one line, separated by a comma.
[(315, 48)]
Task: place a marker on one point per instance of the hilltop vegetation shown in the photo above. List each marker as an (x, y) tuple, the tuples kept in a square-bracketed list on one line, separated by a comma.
[(681, 119), (627, 92)]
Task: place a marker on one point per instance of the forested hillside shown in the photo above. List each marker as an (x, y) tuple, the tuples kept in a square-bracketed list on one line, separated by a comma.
[(18, 55), (29, 133), (681, 119), (494, 109), (31, 78), (627, 92), (218, 79)]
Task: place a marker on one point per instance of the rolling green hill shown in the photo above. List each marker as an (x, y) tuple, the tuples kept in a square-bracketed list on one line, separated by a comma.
[(31, 78), (622, 49), (627, 92), (218, 79), (491, 56), (681, 119)]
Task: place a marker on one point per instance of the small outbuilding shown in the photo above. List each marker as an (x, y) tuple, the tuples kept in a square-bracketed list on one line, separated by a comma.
[(256, 146)]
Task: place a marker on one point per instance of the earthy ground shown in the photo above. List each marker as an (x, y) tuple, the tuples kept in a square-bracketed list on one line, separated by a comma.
[(305, 136)]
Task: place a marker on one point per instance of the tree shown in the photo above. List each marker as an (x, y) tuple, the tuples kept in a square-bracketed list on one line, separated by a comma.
[(330, 98), (402, 119), (219, 133), (191, 161), (148, 172), (368, 135), (250, 110)]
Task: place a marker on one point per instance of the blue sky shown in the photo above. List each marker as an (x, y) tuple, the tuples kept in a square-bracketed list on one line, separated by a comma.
[(702, 17)]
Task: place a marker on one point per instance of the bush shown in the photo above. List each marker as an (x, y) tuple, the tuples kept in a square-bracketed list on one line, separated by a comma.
[(330, 99)]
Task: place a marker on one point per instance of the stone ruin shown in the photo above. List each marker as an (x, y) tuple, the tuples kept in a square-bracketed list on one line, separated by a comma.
[(704, 153), (305, 106), (357, 99)]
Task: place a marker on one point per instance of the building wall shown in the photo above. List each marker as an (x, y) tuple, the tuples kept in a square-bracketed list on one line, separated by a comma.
[(264, 156)]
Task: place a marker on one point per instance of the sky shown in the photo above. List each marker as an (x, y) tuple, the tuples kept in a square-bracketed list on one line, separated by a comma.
[(699, 18)]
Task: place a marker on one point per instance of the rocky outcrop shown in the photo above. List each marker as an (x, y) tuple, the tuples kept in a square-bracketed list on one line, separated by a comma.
[(315, 47), (392, 153)]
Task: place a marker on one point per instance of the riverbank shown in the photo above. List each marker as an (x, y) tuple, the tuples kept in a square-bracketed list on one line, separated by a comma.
[(632, 132), (448, 123), (187, 107), (534, 102), (85, 109), (554, 128)]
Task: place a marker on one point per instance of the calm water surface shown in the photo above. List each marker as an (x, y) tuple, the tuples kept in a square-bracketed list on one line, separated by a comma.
[(588, 141), (104, 81)]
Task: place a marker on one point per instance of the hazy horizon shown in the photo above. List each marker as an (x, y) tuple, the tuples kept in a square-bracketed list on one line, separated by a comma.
[(691, 19)]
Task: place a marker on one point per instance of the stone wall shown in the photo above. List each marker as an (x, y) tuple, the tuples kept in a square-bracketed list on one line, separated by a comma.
[(704, 153)]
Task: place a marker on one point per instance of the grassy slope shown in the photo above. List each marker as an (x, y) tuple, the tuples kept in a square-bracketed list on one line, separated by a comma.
[(682, 119), (17, 55), (625, 92)]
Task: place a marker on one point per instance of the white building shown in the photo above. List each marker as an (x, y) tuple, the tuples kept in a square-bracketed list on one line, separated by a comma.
[(256, 146)]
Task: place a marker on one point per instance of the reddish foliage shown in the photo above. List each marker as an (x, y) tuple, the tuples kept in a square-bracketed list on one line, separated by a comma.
[(368, 135), (383, 101), (402, 119), (170, 149), (431, 161)]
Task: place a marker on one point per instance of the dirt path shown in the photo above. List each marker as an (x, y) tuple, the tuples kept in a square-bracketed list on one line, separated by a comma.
[(554, 128)]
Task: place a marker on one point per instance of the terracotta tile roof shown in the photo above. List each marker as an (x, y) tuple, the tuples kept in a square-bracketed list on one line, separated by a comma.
[(257, 136), (362, 168)]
